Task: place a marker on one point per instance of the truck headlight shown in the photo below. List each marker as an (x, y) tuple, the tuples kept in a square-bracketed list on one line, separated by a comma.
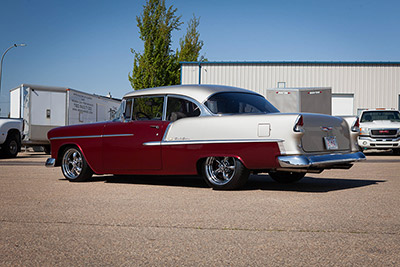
[(364, 131)]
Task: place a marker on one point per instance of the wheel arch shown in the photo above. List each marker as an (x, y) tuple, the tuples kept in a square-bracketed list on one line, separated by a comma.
[(63, 147), (17, 133)]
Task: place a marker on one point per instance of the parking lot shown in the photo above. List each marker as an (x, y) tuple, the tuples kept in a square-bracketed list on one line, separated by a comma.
[(337, 218)]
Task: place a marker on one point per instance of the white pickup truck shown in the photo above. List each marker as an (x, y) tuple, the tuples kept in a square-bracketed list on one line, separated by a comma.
[(380, 129), (10, 136)]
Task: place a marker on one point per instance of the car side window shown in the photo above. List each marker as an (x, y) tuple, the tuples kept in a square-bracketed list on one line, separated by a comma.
[(128, 109), (148, 108), (178, 108)]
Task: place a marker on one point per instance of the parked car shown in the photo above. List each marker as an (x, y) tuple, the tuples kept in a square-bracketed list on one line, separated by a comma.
[(10, 136), (221, 132), (380, 129)]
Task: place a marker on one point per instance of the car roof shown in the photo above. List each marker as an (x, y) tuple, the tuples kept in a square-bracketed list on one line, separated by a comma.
[(199, 93)]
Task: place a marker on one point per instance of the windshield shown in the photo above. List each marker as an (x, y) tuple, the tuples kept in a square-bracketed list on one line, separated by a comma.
[(369, 116), (239, 103)]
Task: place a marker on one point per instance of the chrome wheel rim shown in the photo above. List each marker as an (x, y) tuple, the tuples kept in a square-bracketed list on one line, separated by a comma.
[(220, 170), (72, 163), (13, 147)]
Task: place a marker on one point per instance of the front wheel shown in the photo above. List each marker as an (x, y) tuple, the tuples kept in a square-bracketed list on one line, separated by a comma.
[(224, 173), (396, 151), (74, 166), (286, 177)]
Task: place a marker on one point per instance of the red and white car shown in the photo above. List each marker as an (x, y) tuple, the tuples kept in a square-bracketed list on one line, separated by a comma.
[(223, 133)]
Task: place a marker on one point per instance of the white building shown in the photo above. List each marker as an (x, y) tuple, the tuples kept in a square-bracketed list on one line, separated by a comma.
[(355, 85)]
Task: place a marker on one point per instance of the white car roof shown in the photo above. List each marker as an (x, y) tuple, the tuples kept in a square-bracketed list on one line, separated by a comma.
[(199, 93)]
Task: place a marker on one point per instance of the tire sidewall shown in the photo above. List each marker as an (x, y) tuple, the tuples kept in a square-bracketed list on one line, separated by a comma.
[(238, 180), (86, 172)]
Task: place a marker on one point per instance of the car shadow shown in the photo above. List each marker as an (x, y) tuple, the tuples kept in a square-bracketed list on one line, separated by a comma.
[(308, 184)]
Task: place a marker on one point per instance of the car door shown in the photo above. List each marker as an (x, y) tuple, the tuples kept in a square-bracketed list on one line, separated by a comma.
[(124, 148)]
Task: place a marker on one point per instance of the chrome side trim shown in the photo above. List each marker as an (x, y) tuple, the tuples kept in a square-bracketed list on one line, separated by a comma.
[(91, 136), (50, 162), (117, 135), (303, 161), (200, 142)]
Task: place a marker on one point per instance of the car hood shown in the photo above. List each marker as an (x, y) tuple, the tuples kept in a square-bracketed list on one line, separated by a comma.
[(380, 124)]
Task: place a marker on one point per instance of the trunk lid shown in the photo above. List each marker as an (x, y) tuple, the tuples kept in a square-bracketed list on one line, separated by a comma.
[(324, 133)]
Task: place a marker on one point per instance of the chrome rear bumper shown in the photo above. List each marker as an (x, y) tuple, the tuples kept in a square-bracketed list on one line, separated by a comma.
[(50, 162), (319, 161)]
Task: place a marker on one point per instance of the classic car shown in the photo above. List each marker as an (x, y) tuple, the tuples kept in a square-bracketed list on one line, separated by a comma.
[(222, 133)]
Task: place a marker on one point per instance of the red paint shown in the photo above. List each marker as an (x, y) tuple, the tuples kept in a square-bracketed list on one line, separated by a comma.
[(128, 155)]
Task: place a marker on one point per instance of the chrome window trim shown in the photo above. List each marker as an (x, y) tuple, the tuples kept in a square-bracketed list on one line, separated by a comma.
[(203, 111), (200, 142)]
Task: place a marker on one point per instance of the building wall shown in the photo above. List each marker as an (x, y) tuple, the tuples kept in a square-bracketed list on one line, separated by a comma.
[(372, 84)]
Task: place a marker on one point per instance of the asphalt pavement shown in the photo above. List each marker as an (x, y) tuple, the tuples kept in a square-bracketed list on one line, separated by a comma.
[(336, 218)]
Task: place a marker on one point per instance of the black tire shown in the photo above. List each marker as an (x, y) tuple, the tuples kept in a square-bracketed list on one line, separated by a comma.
[(286, 177), (224, 173), (11, 146), (74, 166), (47, 149), (396, 151)]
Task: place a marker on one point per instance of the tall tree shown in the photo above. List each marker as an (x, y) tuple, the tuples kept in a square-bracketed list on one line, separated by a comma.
[(190, 44), (155, 66), (158, 65), (189, 47)]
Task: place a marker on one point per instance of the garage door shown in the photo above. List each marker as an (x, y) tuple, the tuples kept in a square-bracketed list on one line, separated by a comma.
[(342, 104)]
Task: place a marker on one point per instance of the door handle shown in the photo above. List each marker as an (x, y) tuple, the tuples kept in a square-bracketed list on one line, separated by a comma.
[(155, 126)]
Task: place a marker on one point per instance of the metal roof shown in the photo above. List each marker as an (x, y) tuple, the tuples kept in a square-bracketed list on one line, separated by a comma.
[(197, 92), (294, 62)]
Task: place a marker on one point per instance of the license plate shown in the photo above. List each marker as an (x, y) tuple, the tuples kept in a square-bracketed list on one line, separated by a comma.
[(330, 142)]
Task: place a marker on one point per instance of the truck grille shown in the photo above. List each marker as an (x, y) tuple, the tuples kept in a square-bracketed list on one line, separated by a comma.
[(384, 132)]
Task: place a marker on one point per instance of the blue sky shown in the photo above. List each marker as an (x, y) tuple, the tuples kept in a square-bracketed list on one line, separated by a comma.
[(86, 44)]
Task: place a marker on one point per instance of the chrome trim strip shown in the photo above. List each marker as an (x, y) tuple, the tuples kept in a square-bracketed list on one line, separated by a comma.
[(91, 136), (117, 135), (303, 161), (50, 162), (200, 142)]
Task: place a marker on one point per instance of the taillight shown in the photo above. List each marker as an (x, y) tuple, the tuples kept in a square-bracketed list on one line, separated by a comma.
[(298, 124), (356, 126)]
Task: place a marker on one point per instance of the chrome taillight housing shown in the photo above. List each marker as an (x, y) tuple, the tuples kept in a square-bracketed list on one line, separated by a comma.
[(356, 126), (298, 125)]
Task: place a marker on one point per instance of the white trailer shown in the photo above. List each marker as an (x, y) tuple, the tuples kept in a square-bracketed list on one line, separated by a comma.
[(45, 107), (312, 100)]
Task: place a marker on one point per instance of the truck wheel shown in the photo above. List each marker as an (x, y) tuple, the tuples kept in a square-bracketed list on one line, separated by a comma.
[(74, 166), (396, 151), (224, 173), (11, 147), (286, 177)]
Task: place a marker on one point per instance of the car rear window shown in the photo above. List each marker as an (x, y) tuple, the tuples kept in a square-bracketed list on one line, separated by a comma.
[(239, 103)]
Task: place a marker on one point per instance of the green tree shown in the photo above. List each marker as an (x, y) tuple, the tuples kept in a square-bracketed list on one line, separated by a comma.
[(155, 66), (158, 65), (190, 44)]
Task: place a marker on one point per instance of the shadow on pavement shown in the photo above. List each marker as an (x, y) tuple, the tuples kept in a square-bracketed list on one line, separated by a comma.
[(308, 184), (256, 182)]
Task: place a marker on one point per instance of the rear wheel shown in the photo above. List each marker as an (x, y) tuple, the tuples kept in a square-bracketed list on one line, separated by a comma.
[(224, 173), (11, 146), (74, 166), (287, 177)]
